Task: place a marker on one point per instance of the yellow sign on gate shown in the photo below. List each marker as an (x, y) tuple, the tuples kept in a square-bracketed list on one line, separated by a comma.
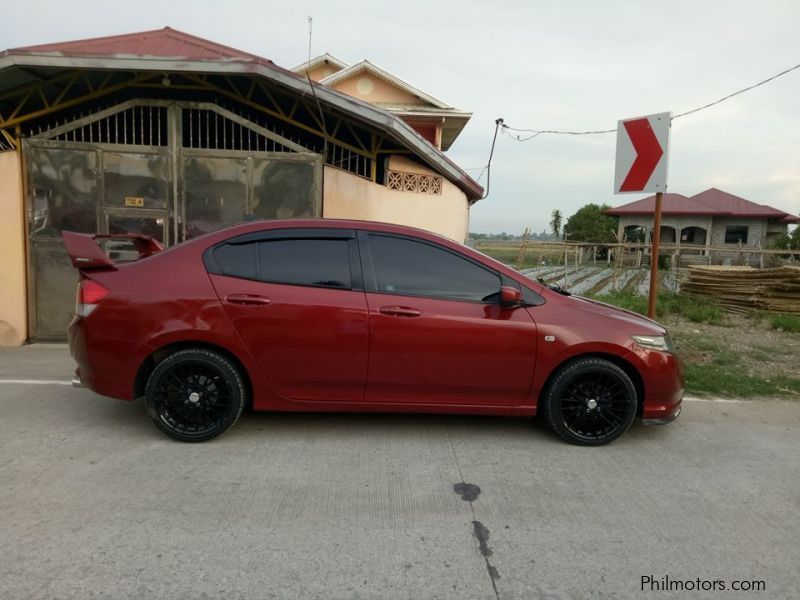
[(134, 201)]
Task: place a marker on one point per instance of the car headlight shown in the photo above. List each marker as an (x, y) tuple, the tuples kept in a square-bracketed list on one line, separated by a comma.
[(655, 342)]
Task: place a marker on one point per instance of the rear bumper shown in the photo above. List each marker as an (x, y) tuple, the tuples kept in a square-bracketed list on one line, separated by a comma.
[(102, 365)]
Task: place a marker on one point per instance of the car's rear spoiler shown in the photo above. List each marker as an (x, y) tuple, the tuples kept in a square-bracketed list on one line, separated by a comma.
[(86, 254)]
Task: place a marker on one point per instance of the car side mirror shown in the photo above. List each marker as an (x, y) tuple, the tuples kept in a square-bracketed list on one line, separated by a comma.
[(510, 297)]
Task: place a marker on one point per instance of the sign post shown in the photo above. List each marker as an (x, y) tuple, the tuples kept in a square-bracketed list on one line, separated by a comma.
[(641, 166)]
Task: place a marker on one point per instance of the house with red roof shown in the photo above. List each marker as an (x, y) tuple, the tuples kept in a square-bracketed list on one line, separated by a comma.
[(711, 218)]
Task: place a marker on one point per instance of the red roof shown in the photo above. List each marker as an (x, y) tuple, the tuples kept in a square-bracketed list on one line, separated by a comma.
[(712, 202), (736, 206), (159, 43)]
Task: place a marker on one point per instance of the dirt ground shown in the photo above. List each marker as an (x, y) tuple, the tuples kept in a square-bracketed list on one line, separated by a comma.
[(748, 343)]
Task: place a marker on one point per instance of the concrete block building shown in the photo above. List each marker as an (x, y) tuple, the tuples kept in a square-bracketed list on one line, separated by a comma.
[(712, 218)]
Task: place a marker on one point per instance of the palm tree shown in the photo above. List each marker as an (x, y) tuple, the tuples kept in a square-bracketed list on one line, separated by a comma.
[(555, 223)]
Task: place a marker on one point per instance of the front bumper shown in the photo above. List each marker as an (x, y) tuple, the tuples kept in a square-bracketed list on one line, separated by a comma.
[(76, 380), (665, 419)]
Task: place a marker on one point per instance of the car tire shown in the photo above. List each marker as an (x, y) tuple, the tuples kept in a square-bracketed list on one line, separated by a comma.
[(590, 402), (195, 395)]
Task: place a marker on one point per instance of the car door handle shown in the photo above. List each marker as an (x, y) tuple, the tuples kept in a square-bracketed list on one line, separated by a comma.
[(247, 299), (399, 311)]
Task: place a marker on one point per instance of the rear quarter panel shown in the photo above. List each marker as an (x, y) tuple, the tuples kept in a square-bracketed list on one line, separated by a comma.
[(154, 302)]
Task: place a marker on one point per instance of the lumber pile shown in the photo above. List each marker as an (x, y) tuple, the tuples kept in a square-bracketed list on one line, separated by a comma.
[(743, 288)]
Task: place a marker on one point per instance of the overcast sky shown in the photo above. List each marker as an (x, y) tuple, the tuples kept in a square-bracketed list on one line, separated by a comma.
[(539, 65)]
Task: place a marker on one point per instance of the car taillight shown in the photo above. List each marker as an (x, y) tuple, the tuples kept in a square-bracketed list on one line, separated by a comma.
[(90, 295)]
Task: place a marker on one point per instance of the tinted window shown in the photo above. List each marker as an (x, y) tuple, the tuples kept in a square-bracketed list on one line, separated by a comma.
[(305, 262), (406, 267), (237, 260)]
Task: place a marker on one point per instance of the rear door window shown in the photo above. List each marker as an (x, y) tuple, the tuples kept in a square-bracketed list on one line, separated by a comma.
[(311, 262), (237, 260)]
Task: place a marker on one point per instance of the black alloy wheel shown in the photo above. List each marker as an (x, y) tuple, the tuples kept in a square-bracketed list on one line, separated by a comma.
[(590, 402), (194, 395)]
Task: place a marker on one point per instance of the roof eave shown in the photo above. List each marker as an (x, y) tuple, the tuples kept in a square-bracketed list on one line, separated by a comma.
[(318, 60), (371, 114), (386, 75)]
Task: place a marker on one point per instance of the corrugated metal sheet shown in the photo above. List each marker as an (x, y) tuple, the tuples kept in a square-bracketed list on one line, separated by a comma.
[(174, 51), (162, 43), (736, 206), (671, 204)]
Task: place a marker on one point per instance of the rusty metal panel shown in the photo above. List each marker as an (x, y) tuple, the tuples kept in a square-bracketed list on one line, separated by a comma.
[(54, 291), (284, 189), (214, 193), (136, 180), (63, 191)]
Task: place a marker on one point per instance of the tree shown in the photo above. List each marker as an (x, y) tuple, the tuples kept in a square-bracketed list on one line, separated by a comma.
[(555, 223), (589, 224), (787, 240)]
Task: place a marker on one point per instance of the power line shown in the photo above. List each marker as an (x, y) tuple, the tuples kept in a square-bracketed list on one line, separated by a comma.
[(742, 91), (488, 168), (536, 132)]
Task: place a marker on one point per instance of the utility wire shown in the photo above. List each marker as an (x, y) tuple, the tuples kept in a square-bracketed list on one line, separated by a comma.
[(488, 168), (316, 100), (514, 133), (736, 93)]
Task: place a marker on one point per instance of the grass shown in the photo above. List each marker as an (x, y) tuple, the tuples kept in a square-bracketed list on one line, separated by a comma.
[(532, 257), (726, 361), (696, 310), (732, 380), (790, 323), (713, 367)]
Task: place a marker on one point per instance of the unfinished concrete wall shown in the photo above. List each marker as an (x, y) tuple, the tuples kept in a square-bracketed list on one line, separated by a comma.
[(348, 196), (13, 299), (756, 231)]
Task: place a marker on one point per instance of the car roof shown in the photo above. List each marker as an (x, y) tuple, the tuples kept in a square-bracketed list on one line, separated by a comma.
[(269, 224)]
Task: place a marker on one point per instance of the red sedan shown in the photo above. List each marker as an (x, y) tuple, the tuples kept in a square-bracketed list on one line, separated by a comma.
[(324, 315)]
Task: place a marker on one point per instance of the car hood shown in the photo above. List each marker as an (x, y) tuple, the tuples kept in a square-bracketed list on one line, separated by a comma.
[(632, 320)]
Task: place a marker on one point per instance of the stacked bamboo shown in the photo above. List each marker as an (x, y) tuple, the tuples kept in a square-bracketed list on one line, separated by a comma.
[(744, 288)]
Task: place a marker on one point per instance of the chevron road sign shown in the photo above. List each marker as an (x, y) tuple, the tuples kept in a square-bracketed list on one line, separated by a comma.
[(642, 153)]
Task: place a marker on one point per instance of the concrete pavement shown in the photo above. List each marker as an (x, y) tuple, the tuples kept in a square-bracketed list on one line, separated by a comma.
[(96, 503)]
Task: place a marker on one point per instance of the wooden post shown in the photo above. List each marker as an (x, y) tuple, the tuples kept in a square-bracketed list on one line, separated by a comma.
[(654, 250)]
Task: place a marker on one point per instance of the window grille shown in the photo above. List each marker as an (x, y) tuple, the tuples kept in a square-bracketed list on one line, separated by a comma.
[(414, 182)]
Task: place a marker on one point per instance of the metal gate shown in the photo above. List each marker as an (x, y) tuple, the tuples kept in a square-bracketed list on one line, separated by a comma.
[(171, 170)]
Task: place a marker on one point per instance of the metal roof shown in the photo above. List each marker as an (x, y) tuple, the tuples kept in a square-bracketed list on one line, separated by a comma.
[(712, 202), (160, 43), (156, 51)]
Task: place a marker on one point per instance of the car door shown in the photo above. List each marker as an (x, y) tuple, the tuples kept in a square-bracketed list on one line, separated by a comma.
[(296, 299), (438, 332)]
